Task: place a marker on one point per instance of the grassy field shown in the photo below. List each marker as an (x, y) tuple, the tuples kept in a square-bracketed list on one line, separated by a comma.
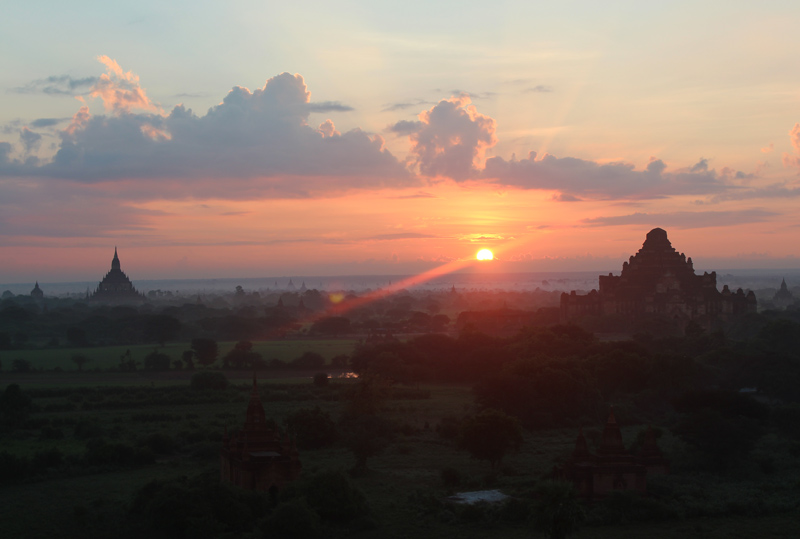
[(105, 358), (84, 502)]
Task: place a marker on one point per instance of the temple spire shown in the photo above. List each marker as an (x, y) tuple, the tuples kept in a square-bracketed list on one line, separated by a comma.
[(115, 262)]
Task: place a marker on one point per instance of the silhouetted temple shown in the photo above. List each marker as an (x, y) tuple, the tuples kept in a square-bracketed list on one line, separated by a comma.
[(659, 281), (257, 457), (782, 298), (37, 292), (613, 468), (116, 286)]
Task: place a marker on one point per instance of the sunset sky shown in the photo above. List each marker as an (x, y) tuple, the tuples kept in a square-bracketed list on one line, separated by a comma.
[(249, 139)]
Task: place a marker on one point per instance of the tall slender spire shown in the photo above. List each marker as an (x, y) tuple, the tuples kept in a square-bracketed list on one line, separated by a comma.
[(115, 262)]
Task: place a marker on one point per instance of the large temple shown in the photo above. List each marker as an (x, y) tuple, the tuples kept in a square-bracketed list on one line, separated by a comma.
[(116, 286), (659, 281), (257, 457)]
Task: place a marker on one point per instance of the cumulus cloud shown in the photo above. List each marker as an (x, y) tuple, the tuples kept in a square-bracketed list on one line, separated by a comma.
[(450, 139), (262, 134), (684, 219), (30, 140), (120, 90), (793, 159)]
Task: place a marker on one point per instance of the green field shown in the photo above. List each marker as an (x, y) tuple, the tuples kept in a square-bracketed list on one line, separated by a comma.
[(105, 358), (402, 486)]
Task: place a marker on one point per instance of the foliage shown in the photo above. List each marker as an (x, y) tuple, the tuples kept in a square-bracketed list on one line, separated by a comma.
[(331, 325), (322, 379), (209, 380), (557, 512), (156, 361), (366, 436), (490, 435), (293, 519), (309, 360), (15, 405), (313, 427), (205, 350)]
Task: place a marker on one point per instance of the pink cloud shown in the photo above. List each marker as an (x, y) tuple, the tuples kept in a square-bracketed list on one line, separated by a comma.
[(120, 90), (790, 160)]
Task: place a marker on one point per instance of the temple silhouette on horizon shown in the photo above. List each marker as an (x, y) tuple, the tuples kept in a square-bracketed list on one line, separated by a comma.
[(116, 286), (660, 282)]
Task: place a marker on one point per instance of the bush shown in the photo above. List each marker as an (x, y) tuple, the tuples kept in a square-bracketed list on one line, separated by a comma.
[(334, 497), (209, 380), (450, 477), (313, 427), (309, 360), (321, 379), (293, 519)]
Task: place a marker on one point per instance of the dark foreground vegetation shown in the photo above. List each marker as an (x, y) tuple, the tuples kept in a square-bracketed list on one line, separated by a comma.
[(428, 416)]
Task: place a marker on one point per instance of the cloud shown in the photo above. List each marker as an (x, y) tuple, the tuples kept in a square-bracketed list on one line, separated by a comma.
[(47, 122), (58, 85), (252, 143), (329, 106), (120, 90), (405, 127), (452, 140), (418, 194), (394, 107), (685, 220), (790, 160), (30, 140), (540, 88), (581, 178), (399, 236)]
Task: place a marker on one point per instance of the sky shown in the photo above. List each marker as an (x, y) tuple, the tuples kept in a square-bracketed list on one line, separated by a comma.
[(249, 139)]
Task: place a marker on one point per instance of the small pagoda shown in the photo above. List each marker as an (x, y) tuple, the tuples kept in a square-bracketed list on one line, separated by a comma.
[(116, 286), (258, 457), (613, 468)]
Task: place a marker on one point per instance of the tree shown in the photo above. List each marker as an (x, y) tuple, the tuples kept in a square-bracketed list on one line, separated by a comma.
[(309, 360), (242, 356), (557, 512), (209, 380), (366, 436), (490, 435), (157, 361), (77, 337), (80, 360), (15, 405), (161, 328), (205, 350), (313, 428), (332, 325)]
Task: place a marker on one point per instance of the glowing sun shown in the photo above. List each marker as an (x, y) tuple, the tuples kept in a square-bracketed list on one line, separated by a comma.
[(484, 254)]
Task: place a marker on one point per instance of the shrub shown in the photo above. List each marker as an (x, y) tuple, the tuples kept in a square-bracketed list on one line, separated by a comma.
[(292, 519), (209, 380), (321, 379), (450, 477), (313, 427)]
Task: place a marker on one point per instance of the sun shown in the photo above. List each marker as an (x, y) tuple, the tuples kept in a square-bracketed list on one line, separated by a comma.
[(484, 254)]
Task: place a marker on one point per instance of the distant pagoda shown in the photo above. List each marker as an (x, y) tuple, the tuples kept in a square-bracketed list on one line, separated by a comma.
[(37, 293), (116, 286)]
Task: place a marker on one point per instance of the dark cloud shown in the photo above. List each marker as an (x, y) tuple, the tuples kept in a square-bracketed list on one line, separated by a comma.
[(394, 107), (701, 166), (250, 135), (564, 197), (47, 122), (685, 219), (405, 127), (329, 106), (588, 179), (30, 139), (58, 85)]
